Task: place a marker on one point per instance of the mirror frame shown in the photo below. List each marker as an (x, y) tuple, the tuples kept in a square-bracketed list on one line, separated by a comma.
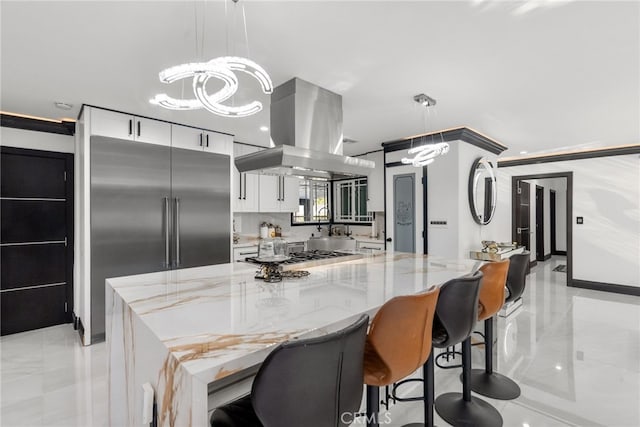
[(488, 166)]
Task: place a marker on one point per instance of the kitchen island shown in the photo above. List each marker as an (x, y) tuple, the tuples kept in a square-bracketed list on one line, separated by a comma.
[(193, 331)]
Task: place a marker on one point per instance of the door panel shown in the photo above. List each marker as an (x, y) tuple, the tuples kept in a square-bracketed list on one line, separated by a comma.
[(539, 223), (200, 189), (418, 214), (33, 220), (17, 177), (24, 310), (523, 214), (130, 184), (29, 265), (37, 206), (404, 213)]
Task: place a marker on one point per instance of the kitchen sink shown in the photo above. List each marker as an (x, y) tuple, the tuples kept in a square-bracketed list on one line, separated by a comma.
[(334, 243)]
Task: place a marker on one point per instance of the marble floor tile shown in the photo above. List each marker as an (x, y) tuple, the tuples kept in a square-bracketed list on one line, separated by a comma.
[(574, 352)]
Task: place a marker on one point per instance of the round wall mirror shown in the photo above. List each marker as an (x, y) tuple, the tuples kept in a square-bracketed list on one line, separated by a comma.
[(482, 191)]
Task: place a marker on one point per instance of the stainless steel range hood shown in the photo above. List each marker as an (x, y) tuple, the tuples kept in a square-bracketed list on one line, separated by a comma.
[(306, 127)]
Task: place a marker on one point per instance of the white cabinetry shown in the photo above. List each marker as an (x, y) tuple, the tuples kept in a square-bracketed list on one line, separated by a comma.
[(375, 183), (246, 185), (376, 246), (279, 193), (239, 254), (126, 126), (201, 140)]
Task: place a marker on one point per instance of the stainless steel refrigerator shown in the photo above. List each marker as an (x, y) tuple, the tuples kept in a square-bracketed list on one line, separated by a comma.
[(154, 208)]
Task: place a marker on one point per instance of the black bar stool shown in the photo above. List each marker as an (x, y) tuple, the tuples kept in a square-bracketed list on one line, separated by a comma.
[(455, 318), (462, 409), (487, 382), (398, 343), (317, 379)]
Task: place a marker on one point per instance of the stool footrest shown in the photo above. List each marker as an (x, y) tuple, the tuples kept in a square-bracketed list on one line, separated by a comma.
[(447, 355), (394, 396)]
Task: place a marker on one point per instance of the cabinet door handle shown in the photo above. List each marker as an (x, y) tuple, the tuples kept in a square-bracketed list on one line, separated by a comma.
[(177, 230), (200, 140), (240, 186), (207, 140), (248, 253), (138, 127), (167, 261), (130, 127), (245, 187)]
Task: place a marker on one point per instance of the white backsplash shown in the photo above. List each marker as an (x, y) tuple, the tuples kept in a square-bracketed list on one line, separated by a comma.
[(248, 224)]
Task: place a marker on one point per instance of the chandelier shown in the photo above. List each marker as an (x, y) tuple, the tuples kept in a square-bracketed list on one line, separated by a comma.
[(222, 68), (427, 152)]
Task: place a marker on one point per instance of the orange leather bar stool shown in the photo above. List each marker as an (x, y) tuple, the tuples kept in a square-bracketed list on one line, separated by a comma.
[(486, 382), (398, 343), (461, 409), (456, 313)]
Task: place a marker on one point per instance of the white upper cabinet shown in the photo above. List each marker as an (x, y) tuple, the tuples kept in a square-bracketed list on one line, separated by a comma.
[(375, 183), (126, 126), (290, 194), (279, 193), (201, 140), (246, 186)]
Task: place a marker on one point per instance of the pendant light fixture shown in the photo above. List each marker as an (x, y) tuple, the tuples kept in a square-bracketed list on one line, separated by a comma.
[(222, 68), (426, 152)]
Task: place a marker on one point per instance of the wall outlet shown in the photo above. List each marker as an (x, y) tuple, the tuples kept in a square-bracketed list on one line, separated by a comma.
[(579, 220)]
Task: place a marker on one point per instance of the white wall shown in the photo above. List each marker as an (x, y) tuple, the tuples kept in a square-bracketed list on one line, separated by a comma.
[(447, 193), (20, 138), (606, 193)]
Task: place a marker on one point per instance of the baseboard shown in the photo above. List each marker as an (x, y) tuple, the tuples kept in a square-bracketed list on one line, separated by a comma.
[(80, 329), (547, 257), (605, 287), (564, 253), (533, 264), (74, 320)]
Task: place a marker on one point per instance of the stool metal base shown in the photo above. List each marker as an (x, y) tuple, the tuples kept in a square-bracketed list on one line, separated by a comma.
[(493, 385), (456, 411)]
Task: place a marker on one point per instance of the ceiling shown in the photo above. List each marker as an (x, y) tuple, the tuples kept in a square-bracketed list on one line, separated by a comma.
[(536, 75)]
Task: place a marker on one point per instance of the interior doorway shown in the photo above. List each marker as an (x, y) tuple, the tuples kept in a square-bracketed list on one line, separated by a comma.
[(549, 231), (405, 208), (540, 253), (36, 247)]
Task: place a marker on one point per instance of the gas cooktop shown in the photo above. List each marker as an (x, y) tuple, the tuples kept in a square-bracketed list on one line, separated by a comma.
[(311, 258)]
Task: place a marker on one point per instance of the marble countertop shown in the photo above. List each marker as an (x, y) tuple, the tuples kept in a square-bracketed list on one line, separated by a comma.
[(219, 319)]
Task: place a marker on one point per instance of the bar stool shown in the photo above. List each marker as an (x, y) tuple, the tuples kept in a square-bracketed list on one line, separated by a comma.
[(456, 313), (463, 409), (487, 382), (304, 382), (398, 343)]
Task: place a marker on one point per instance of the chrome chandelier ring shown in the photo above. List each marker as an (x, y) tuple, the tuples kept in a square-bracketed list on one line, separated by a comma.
[(222, 68)]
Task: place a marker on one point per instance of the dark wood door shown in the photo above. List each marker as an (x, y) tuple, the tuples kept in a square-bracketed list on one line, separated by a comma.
[(523, 214), (539, 223), (36, 201), (552, 220)]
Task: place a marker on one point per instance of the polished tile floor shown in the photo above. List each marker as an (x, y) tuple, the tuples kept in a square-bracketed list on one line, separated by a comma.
[(574, 352)]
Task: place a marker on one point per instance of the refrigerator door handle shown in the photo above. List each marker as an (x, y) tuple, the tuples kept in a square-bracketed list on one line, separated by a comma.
[(177, 230), (240, 186), (167, 243), (244, 197)]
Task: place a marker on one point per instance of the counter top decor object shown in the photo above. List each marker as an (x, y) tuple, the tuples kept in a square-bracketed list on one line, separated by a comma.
[(497, 255), (197, 335)]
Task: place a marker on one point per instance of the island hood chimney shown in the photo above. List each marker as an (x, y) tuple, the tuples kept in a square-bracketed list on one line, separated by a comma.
[(306, 127)]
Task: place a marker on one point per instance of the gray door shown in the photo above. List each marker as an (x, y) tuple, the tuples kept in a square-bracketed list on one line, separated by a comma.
[(404, 212), (201, 210), (130, 197)]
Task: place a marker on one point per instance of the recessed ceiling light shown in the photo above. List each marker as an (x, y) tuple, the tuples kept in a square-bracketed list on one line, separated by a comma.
[(63, 105), (523, 152), (264, 128), (559, 367)]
